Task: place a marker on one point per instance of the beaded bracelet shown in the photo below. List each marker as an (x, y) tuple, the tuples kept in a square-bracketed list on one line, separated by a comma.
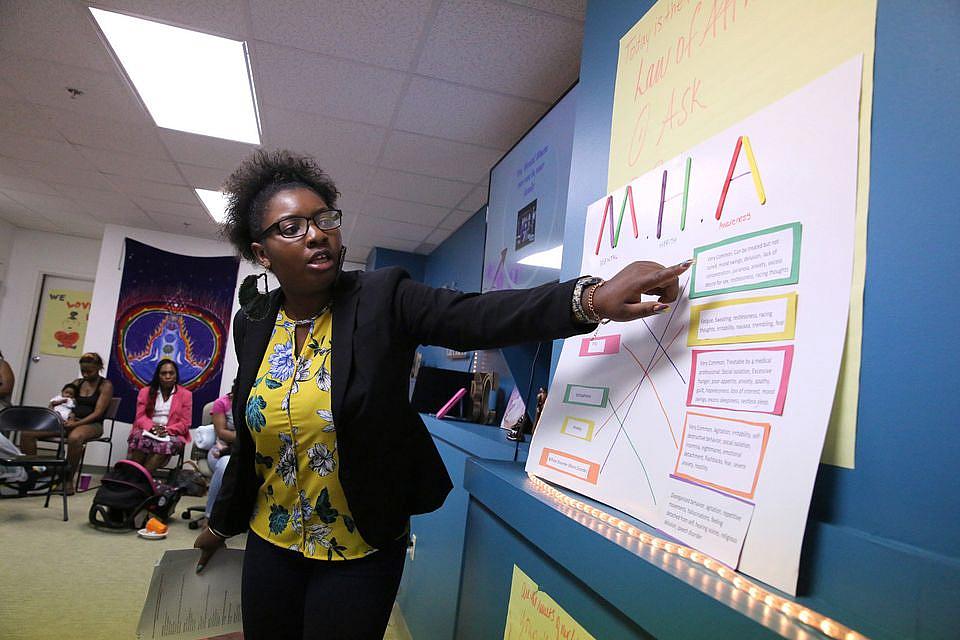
[(591, 309)]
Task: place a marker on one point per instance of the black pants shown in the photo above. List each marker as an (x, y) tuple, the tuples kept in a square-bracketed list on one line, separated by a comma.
[(287, 596)]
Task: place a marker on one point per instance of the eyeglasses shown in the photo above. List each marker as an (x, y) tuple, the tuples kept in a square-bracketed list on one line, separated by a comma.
[(296, 226)]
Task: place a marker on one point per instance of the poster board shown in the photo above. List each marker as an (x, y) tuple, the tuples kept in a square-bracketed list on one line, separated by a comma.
[(688, 70), (707, 421)]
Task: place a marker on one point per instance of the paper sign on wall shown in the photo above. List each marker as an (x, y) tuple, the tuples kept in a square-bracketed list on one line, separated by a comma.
[(64, 322), (533, 615), (707, 421)]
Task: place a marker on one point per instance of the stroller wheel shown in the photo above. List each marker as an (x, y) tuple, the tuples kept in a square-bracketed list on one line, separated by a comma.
[(194, 525), (185, 515)]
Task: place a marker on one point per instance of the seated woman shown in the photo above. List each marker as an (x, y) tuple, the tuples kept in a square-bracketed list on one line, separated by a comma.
[(162, 423), (94, 393), (219, 454)]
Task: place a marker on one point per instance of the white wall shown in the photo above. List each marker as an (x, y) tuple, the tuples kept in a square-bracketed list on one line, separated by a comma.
[(33, 254), (7, 232)]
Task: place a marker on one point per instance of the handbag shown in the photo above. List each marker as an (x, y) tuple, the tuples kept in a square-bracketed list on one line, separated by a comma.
[(189, 478)]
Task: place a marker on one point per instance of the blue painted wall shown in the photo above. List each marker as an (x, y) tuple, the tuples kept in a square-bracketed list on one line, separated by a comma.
[(457, 263), (414, 263)]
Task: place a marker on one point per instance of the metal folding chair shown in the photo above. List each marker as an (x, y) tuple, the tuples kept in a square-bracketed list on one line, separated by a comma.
[(38, 420), (106, 438)]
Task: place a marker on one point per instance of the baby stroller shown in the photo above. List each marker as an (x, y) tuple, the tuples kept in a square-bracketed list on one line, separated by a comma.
[(128, 497)]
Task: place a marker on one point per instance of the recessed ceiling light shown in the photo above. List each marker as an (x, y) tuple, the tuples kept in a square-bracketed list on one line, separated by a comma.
[(189, 81), (551, 258), (214, 202)]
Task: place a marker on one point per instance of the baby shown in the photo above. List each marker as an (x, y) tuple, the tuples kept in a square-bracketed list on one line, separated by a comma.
[(64, 403)]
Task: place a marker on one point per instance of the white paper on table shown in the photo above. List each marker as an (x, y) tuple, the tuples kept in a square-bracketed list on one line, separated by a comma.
[(184, 605)]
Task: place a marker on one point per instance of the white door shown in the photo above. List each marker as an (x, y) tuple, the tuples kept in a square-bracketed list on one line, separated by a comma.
[(59, 332)]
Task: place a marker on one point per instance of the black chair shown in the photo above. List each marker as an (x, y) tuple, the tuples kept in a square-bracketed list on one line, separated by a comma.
[(106, 438), (39, 420)]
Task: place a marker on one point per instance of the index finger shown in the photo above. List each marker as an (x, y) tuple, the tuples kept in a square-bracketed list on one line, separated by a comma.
[(665, 280)]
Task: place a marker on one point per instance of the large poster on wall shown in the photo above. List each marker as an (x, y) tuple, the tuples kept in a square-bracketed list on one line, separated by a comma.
[(707, 421), (688, 70), (172, 307)]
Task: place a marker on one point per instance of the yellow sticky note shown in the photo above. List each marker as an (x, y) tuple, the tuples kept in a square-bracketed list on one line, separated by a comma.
[(534, 614)]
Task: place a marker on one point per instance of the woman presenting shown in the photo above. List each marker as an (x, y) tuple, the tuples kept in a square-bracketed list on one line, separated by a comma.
[(330, 461), (163, 418)]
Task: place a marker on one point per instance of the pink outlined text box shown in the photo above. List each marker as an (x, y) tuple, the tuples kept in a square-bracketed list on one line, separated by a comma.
[(738, 404), (600, 345)]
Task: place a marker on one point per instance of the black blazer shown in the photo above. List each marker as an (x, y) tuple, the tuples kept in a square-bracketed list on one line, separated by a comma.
[(390, 468)]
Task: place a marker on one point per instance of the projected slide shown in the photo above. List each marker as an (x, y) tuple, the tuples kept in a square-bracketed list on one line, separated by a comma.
[(527, 203)]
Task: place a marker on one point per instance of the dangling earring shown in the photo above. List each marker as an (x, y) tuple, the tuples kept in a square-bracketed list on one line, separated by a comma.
[(255, 305)]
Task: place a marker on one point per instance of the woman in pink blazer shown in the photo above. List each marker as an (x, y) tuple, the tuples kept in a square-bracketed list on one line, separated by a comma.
[(162, 423)]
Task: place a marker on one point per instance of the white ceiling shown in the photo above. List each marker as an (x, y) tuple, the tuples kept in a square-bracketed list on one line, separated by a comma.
[(406, 103)]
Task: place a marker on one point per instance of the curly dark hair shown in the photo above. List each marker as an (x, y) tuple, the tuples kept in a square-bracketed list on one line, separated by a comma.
[(259, 178)]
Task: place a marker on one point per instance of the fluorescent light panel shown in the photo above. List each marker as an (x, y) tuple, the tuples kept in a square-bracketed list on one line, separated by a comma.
[(189, 81), (214, 202), (551, 258)]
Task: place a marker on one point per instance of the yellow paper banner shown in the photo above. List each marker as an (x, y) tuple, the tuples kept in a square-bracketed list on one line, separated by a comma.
[(64, 322), (689, 69), (533, 615)]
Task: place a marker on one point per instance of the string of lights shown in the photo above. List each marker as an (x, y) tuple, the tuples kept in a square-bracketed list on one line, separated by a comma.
[(757, 594)]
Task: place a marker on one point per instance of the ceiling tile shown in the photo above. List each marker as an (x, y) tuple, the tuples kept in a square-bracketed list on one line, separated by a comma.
[(303, 81), (203, 177), (44, 83), (219, 17), (24, 218), (55, 30), (358, 253), (111, 162), (63, 175), (322, 137), (29, 185), (33, 149), (106, 133), (476, 199), (382, 32), (163, 207), (441, 158), (138, 187), (439, 235), (575, 9), (403, 211), (106, 206), (347, 174), (503, 47), (418, 188), (467, 115), (456, 219), (26, 119), (205, 151), (189, 226), (373, 227)]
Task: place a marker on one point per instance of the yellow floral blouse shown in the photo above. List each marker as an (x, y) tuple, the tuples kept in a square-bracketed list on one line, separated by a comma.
[(301, 505)]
